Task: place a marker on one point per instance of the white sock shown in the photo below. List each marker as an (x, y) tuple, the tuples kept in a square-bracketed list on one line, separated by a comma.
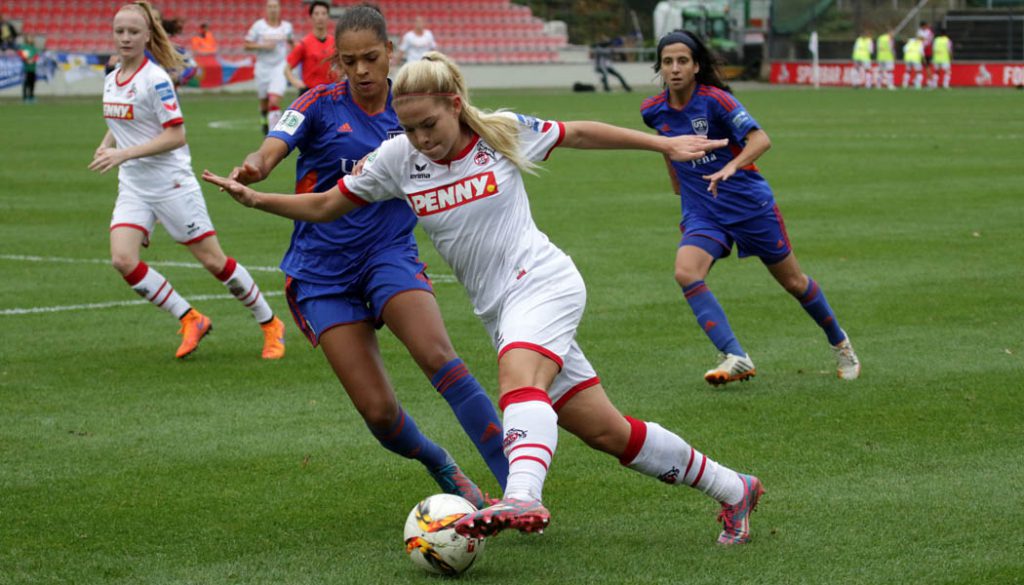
[(660, 453), (273, 117), (152, 286), (244, 288), (531, 436)]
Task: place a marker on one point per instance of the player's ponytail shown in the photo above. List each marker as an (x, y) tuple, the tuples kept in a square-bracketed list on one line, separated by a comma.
[(159, 45), (438, 76)]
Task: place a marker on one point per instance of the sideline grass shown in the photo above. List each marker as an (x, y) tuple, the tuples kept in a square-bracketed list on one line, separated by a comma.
[(120, 465)]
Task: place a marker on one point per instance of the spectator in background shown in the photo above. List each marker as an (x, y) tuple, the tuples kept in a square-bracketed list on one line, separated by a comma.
[(416, 43), (886, 56), (926, 35), (8, 34), (603, 64), (913, 55), (30, 57), (314, 52), (204, 44), (271, 39), (942, 55), (863, 48)]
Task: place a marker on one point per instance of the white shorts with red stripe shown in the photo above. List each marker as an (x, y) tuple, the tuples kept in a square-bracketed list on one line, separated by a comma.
[(542, 313), (184, 217)]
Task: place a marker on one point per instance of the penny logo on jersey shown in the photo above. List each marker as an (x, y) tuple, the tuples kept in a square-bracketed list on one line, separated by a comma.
[(445, 197), (118, 111)]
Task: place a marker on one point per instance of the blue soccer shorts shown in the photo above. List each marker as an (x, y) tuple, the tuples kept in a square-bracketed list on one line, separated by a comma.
[(763, 236)]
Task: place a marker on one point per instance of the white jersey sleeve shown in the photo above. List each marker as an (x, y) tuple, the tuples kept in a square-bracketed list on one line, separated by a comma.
[(380, 178), (537, 138), (164, 100), (254, 31)]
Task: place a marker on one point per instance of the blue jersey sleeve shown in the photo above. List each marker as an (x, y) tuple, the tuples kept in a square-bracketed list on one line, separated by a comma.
[(298, 122), (735, 119)]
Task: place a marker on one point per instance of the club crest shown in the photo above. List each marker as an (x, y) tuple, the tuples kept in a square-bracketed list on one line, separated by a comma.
[(700, 126)]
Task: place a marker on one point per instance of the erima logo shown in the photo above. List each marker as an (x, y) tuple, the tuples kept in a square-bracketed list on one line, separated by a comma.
[(118, 111), (419, 174), (446, 197), (421, 167)]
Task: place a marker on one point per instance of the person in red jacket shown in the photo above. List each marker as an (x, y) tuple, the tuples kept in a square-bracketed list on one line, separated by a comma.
[(313, 52)]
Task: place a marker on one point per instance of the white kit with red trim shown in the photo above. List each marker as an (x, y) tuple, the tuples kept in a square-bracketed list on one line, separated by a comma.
[(137, 110), (474, 208)]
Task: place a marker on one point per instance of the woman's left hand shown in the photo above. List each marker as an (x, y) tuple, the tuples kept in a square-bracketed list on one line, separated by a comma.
[(722, 175), (105, 159)]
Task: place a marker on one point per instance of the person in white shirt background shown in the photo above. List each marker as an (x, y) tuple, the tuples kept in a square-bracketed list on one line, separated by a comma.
[(416, 42), (272, 39)]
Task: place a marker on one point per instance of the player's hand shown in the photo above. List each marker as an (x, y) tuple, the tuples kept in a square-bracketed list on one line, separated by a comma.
[(692, 147), (240, 192), (722, 175), (106, 158), (358, 169), (245, 174)]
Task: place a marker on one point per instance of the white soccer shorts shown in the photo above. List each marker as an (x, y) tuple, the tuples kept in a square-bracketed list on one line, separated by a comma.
[(184, 217)]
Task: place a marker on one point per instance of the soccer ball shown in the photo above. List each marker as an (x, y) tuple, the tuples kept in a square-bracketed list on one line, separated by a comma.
[(431, 540)]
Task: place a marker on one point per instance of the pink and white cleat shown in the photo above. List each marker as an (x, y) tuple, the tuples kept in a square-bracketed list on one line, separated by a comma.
[(736, 518), (523, 515)]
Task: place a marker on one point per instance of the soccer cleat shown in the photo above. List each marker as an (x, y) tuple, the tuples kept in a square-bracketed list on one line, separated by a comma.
[(452, 480), (523, 515), (847, 364), (194, 327), (732, 368), (273, 339), (736, 518)]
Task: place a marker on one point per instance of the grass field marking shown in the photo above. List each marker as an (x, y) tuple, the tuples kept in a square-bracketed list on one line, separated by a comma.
[(114, 304), (437, 278), (235, 124)]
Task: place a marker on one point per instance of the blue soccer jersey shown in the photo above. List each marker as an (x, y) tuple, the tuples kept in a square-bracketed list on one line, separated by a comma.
[(716, 114), (332, 134)]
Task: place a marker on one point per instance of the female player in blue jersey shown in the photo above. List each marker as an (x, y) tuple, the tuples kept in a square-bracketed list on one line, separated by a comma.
[(725, 200), (361, 271)]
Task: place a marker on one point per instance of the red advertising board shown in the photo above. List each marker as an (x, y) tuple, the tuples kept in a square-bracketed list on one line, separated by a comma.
[(838, 73)]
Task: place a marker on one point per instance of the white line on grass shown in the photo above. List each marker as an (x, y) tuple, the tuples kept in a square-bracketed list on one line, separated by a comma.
[(112, 304), (441, 278)]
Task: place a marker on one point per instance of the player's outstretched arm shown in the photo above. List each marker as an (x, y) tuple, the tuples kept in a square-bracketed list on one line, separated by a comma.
[(316, 207), (605, 136), (257, 165)]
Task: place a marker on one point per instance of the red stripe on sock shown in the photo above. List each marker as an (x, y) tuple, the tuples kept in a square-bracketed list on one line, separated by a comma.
[(395, 432), (637, 437), (703, 464), (228, 270), (454, 375), (137, 274), (249, 292), (254, 300), (689, 463), (524, 394), (530, 458), (169, 293), (531, 445), (157, 293)]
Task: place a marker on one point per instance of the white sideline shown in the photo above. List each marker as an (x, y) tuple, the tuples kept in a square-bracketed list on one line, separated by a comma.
[(441, 278)]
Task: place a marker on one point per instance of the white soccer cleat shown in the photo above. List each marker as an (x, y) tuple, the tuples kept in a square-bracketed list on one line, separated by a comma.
[(732, 368), (847, 364)]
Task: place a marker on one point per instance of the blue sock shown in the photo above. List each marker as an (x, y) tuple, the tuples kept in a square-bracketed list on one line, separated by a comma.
[(475, 412), (813, 301), (405, 438), (711, 318)]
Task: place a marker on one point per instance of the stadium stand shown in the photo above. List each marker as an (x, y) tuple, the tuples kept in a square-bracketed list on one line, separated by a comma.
[(471, 31)]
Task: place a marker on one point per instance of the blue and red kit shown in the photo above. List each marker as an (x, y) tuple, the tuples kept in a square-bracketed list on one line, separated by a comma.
[(744, 211)]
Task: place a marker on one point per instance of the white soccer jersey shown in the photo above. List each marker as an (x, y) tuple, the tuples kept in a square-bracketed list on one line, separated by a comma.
[(474, 208), (415, 46), (280, 35), (137, 110)]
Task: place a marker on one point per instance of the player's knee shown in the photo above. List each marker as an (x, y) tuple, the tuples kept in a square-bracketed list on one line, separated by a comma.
[(796, 285), (431, 359), (605, 440), (124, 263), (686, 275), (380, 415)]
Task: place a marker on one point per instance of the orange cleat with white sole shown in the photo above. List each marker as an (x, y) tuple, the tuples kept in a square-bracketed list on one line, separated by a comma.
[(194, 327), (273, 339)]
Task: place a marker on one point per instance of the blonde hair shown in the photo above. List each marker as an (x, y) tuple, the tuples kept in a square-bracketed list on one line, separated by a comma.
[(159, 45), (438, 76)]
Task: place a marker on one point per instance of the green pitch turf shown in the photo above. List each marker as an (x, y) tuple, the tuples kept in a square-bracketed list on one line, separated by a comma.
[(120, 465)]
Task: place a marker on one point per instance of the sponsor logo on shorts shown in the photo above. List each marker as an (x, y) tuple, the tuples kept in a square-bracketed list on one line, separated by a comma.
[(118, 111), (289, 122), (446, 197)]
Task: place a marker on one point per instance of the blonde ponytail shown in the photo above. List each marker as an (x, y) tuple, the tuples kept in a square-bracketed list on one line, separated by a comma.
[(438, 76), (159, 45)]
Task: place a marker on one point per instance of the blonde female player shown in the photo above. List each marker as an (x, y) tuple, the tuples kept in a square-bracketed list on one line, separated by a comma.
[(460, 170), (146, 141)]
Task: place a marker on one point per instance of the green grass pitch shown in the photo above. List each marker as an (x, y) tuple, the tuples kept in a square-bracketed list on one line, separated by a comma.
[(120, 465)]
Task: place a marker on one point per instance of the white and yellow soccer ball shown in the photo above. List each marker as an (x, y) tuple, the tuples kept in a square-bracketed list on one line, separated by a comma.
[(431, 540)]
